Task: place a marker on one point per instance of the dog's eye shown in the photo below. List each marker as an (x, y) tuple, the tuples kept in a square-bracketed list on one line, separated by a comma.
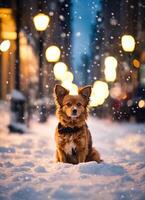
[(79, 104), (69, 104)]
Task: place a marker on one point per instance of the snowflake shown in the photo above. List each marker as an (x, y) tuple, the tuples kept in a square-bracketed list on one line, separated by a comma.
[(99, 19), (113, 22), (63, 35), (51, 13), (61, 17), (132, 6), (78, 34)]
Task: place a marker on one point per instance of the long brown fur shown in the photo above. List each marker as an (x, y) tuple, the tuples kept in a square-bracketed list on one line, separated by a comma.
[(74, 147)]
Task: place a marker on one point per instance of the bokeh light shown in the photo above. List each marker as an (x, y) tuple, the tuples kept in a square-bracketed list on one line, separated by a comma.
[(68, 76), (41, 21), (141, 104), (59, 70), (110, 68), (52, 54), (110, 74), (116, 91), (111, 62), (136, 63), (5, 45), (73, 88), (99, 93), (128, 43)]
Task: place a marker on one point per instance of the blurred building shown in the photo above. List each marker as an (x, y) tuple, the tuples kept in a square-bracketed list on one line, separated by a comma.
[(115, 19), (96, 42), (28, 60), (58, 33)]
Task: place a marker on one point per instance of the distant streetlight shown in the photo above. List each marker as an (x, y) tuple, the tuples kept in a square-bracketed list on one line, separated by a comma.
[(111, 61), (68, 76), (110, 74), (73, 88), (100, 92), (52, 53), (59, 70), (5, 45), (41, 22), (110, 68), (128, 43)]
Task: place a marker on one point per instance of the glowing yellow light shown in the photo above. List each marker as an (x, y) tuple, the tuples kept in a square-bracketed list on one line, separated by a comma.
[(110, 74), (111, 62), (101, 86), (96, 101), (110, 68), (141, 103), (41, 21), (52, 54), (99, 93), (73, 88), (136, 63), (5, 45), (59, 70), (128, 43), (68, 76)]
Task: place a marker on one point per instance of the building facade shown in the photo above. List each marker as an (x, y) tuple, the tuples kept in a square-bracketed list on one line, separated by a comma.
[(58, 33), (117, 19)]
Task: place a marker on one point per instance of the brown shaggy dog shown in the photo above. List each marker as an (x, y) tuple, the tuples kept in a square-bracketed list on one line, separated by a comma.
[(73, 138)]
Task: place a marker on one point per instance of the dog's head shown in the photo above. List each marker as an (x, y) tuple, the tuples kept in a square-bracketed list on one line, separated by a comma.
[(72, 105)]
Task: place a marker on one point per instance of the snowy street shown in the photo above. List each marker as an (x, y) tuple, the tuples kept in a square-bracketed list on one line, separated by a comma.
[(28, 170), (70, 56)]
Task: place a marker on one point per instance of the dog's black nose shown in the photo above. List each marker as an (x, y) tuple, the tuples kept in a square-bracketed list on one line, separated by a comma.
[(74, 111), (74, 151)]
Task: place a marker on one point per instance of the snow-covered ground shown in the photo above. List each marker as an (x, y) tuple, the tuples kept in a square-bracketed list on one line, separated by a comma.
[(28, 170)]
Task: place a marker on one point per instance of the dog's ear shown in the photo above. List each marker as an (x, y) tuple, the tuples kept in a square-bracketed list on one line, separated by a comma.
[(85, 92), (60, 93)]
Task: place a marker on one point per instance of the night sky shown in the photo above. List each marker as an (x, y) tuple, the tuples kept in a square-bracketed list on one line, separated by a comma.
[(84, 12)]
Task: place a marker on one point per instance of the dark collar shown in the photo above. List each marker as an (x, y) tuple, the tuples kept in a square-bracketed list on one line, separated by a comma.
[(66, 130)]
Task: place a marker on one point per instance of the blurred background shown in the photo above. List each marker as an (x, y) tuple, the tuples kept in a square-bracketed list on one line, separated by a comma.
[(74, 43)]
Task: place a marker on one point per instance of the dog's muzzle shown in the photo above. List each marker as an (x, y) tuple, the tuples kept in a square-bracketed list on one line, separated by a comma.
[(74, 152), (74, 113)]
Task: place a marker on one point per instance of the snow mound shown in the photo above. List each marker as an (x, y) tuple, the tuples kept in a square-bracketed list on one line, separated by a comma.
[(101, 169), (28, 172)]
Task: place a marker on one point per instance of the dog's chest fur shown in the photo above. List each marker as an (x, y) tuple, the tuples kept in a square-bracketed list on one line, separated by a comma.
[(69, 140), (69, 145), (72, 140)]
